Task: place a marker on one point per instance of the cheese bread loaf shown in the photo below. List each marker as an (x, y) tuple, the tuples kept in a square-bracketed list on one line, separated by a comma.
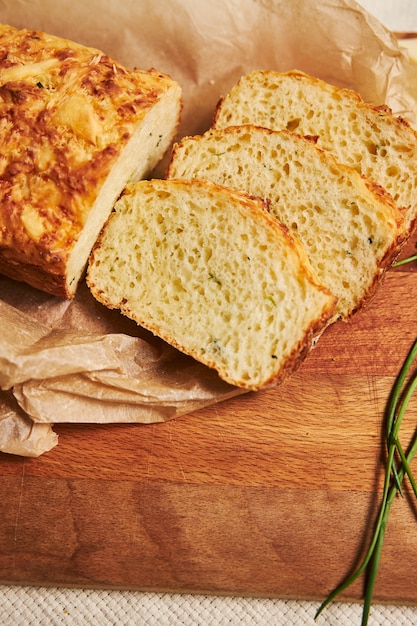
[(350, 227), (75, 127), (369, 138), (208, 270)]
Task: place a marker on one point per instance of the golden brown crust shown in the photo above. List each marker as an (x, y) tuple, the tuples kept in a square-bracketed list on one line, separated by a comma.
[(66, 112)]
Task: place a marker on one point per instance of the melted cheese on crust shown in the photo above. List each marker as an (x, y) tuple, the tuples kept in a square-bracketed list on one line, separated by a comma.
[(66, 112)]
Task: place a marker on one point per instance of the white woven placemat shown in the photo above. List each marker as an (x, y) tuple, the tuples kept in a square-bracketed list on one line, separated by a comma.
[(32, 606)]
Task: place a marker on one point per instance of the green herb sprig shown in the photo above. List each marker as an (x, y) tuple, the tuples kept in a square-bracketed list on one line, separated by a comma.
[(398, 402), (409, 259)]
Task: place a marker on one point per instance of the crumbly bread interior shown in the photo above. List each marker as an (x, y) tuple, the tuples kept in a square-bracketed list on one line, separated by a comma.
[(208, 270), (379, 145), (348, 226), (142, 153)]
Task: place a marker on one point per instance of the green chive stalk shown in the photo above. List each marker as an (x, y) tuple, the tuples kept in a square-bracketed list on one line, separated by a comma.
[(409, 259), (399, 400)]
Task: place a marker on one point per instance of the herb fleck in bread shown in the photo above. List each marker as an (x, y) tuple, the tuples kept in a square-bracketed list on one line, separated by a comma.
[(75, 127), (369, 138), (209, 271), (348, 225)]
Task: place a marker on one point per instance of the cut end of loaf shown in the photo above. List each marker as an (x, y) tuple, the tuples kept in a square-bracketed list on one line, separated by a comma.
[(145, 149), (210, 272), (82, 126)]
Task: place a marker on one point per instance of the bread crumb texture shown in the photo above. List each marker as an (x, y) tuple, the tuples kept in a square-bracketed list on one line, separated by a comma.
[(369, 138), (348, 226), (211, 272)]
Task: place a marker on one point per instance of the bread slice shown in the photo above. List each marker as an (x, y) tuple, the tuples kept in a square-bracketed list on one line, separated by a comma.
[(348, 225), (369, 138), (75, 127), (209, 271)]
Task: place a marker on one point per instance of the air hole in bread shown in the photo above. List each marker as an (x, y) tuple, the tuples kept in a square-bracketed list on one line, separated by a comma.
[(331, 209), (293, 124)]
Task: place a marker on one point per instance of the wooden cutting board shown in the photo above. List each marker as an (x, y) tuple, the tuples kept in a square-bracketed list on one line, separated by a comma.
[(269, 494)]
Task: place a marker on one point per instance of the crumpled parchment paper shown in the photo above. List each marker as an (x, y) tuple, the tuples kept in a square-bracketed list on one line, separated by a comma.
[(63, 361), (76, 361)]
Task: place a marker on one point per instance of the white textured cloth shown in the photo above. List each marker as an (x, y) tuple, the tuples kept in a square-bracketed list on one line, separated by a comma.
[(30, 606)]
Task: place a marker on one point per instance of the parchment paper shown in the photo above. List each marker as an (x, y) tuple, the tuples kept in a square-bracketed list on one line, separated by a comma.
[(65, 361)]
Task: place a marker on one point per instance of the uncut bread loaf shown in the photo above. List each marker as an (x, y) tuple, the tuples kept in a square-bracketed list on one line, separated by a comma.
[(208, 270), (369, 138), (350, 227), (75, 127)]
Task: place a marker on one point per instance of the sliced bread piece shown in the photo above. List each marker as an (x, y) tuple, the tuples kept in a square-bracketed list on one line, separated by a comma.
[(209, 271), (348, 225), (75, 127), (369, 138)]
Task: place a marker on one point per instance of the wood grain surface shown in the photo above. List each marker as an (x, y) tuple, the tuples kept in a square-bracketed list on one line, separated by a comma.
[(272, 493)]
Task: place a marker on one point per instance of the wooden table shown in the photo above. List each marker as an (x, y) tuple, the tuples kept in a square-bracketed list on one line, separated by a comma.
[(268, 494)]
